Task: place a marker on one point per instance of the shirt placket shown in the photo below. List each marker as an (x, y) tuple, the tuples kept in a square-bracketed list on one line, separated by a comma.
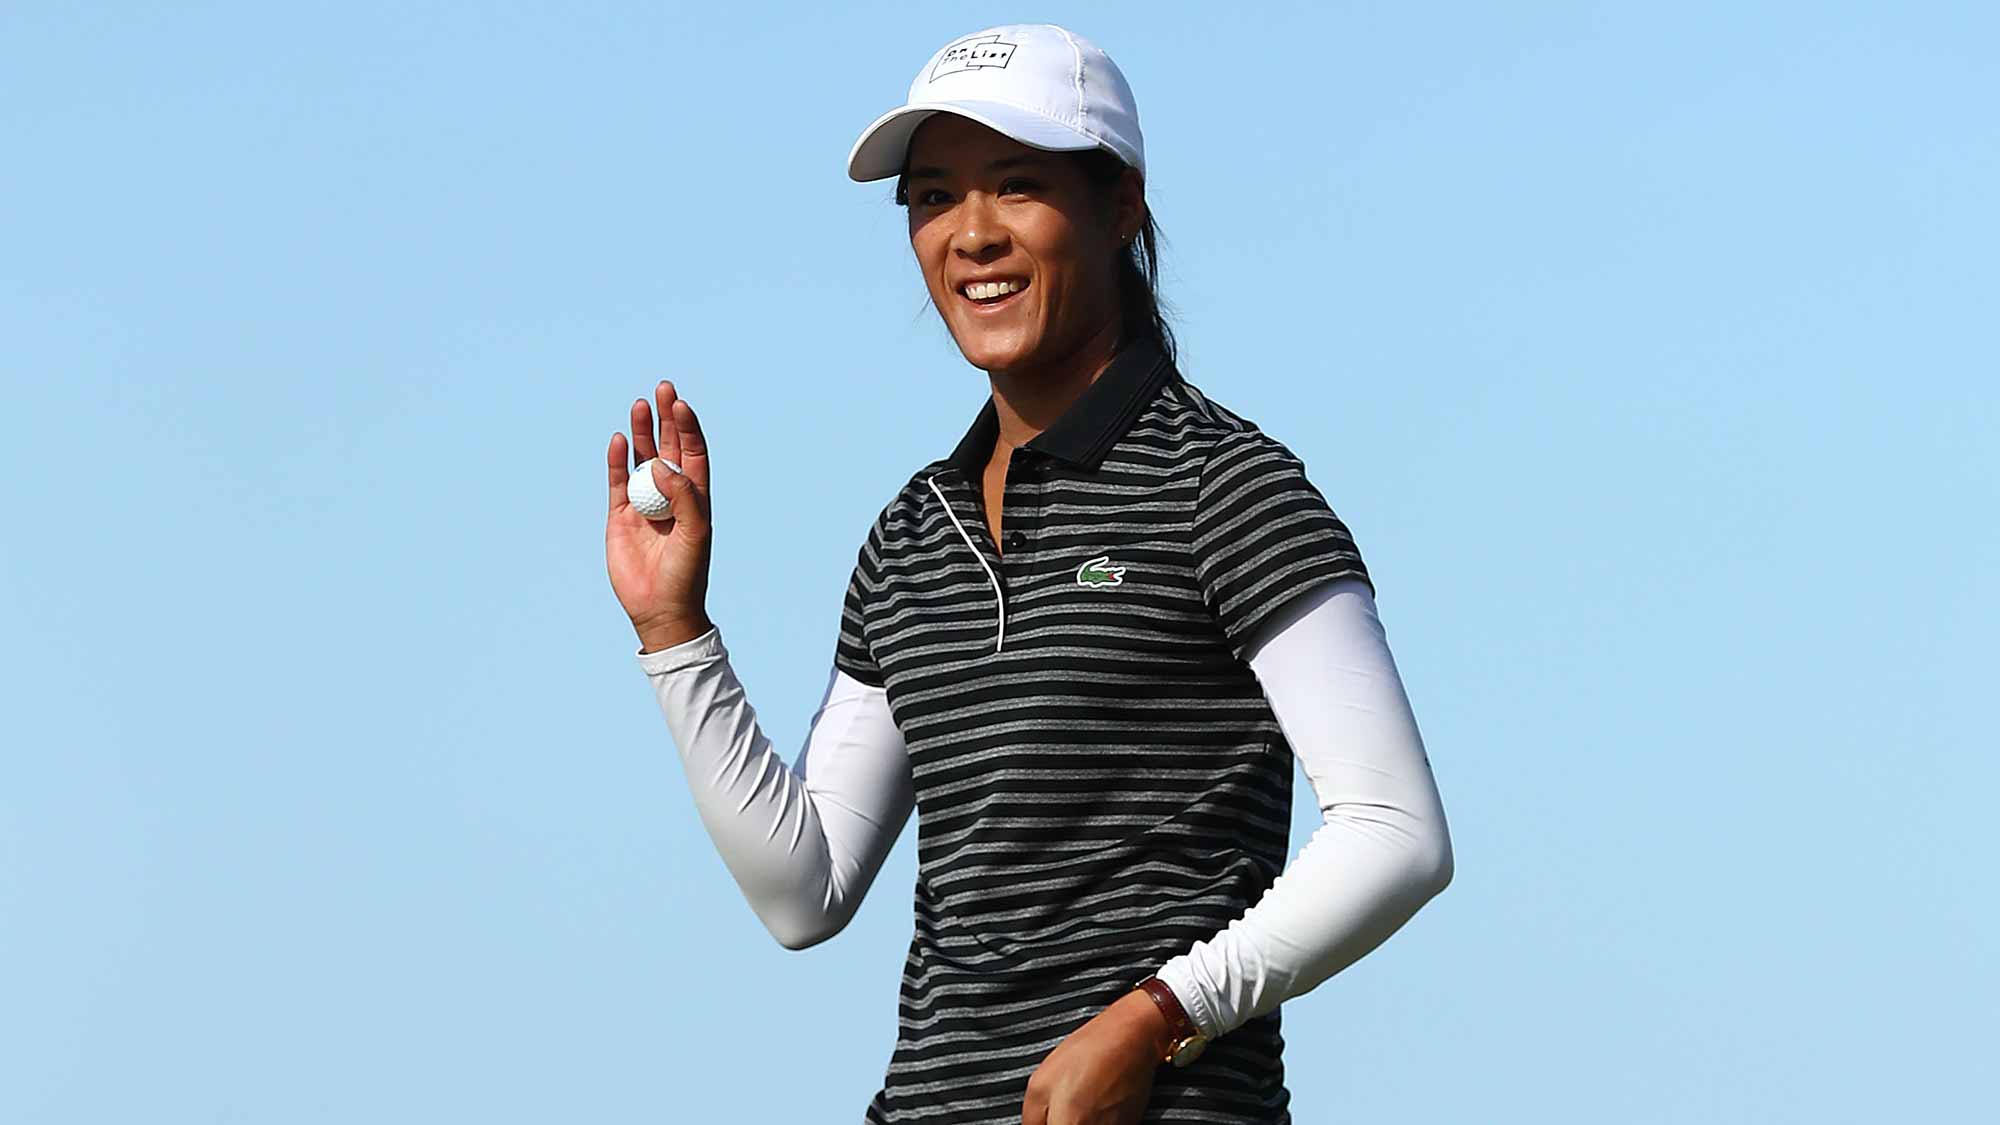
[(1021, 515)]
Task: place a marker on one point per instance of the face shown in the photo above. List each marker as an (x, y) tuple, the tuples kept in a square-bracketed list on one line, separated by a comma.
[(1023, 225)]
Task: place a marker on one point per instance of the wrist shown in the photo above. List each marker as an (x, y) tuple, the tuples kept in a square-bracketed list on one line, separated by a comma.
[(1184, 1040), (658, 633), (1149, 1025)]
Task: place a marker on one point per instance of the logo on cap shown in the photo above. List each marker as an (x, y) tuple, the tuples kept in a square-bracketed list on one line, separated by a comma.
[(970, 54)]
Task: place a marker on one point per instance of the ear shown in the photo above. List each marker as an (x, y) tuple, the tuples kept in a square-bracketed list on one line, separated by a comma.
[(1129, 205)]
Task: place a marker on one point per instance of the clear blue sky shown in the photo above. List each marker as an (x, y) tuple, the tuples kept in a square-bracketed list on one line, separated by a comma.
[(1648, 351)]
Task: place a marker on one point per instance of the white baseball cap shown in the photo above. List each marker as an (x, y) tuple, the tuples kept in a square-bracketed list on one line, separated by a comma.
[(1043, 85)]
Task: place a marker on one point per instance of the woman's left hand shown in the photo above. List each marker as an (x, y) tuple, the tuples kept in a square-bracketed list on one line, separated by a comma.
[(1101, 1073)]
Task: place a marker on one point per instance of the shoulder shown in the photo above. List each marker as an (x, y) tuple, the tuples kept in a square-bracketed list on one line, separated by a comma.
[(1261, 533), (1187, 412), (1221, 445), (908, 509)]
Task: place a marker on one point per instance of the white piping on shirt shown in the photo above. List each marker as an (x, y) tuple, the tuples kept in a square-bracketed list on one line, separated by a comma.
[(999, 602)]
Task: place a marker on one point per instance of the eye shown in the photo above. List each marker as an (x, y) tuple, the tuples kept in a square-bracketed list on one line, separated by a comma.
[(1018, 185), (930, 196)]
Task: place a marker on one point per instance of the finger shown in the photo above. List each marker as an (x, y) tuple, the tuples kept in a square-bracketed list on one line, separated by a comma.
[(670, 438), (687, 504), (615, 462), (694, 446), (643, 449)]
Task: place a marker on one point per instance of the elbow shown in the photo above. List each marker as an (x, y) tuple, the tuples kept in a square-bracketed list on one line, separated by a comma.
[(796, 930), (796, 937), (1432, 866), (803, 909), (1422, 866), (803, 939)]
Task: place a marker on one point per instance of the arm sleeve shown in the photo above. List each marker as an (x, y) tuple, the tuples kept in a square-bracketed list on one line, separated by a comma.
[(802, 841), (1262, 534), (1381, 850)]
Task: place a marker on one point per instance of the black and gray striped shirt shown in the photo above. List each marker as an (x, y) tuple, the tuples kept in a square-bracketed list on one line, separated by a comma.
[(1099, 780)]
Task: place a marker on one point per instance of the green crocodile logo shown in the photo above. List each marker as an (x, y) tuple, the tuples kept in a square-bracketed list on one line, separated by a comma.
[(1100, 572)]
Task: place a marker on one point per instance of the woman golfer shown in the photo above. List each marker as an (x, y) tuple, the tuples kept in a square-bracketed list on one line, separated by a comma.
[(1085, 645)]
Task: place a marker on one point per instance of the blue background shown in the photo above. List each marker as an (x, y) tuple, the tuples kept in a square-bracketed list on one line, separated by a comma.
[(1649, 354)]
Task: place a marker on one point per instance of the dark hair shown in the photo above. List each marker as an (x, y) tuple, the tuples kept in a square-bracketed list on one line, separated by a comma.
[(1138, 260)]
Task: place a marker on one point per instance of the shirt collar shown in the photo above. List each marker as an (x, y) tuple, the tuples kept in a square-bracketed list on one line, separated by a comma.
[(1087, 430)]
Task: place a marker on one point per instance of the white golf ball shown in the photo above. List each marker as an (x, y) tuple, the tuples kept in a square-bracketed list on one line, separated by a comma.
[(645, 496)]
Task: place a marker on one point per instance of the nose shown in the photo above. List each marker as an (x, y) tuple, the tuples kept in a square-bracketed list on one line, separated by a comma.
[(980, 233)]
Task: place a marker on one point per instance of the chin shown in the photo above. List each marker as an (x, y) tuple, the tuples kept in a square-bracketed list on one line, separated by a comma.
[(996, 351)]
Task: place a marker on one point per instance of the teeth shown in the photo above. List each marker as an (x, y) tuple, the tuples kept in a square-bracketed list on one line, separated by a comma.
[(983, 290)]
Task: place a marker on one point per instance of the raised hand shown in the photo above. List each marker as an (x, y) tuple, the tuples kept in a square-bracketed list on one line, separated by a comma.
[(659, 569)]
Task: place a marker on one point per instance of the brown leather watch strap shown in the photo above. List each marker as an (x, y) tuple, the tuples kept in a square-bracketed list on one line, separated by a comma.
[(1179, 1026)]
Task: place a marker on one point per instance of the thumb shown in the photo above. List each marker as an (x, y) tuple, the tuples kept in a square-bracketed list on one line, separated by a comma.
[(689, 505)]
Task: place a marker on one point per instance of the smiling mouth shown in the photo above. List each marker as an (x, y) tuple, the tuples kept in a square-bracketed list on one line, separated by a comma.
[(990, 294)]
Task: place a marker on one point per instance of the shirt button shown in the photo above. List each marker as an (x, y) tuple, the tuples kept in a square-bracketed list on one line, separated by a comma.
[(1016, 540)]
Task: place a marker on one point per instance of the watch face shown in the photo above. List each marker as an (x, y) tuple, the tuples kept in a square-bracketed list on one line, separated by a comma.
[(1188, 1049)]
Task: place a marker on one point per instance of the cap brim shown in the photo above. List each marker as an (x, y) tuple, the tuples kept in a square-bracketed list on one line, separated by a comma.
[(879, 153)]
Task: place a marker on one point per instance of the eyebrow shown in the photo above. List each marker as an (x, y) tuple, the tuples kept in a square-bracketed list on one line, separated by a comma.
[(1017, 160)]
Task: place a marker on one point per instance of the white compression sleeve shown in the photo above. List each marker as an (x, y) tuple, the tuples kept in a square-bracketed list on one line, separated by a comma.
[(1382, 849), (805, 841)]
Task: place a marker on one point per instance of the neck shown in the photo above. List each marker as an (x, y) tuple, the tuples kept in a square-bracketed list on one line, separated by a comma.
[(1028, 400)]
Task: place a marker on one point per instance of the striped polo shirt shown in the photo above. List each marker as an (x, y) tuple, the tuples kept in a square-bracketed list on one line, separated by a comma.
[(1099, 779)]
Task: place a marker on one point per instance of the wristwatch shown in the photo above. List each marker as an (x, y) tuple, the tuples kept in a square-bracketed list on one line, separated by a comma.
[(1186, 1040)]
